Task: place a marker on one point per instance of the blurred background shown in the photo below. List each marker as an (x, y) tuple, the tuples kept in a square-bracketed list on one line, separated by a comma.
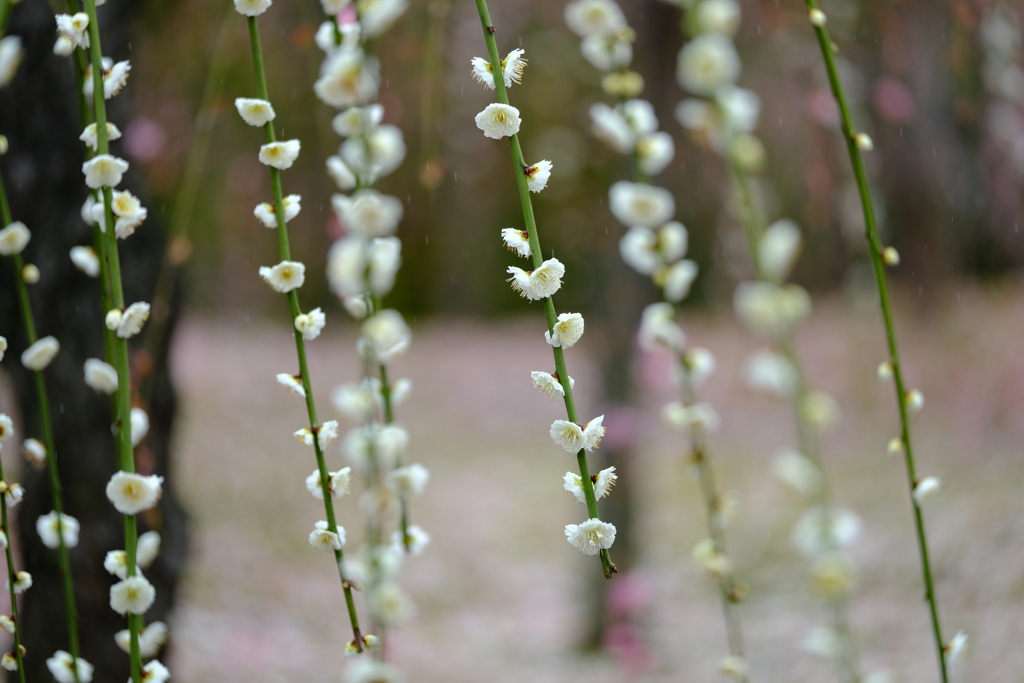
[(940, 88)]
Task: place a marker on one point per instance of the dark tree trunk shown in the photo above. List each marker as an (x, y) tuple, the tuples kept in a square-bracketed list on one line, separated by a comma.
[(39, 114)]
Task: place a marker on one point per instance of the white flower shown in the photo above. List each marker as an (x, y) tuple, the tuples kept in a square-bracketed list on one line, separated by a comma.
[(572, 437), (657, 328), (311, 324), (797, 471), (255, 112), (155, 672), (116, 563), (338, 483), (573, 483), (358, 121), (537, 175), (89, 135), (3, 545), (609, 51), (641, 204), (770, 309), (698, 364), (390, 605), (955, 648), (549, 384), (132, 320), (611, 127), (376, 155), (409, 480), (280, 155), (326, 541), (384, 443), (285, 276), (267, 212), (35, 451), (498, 120), (51, 530), (914, 400), (386, 335), (39, 355), (325, 434), (769, 372), (778, 249), (14, 495), (7, 624), (517, 240), (679, 279), (718, 16), (22, 582), (733, 666), (252, 8), (291, 382), (926, 488), (3, 347), (566, 332), (368, 670), (540, 283), (85, 259), (590, 537), (64, 667), (133, 493), (10, 57), (707, 63), (824, 530), (655, 152), (9, 661), (375, 16), (358, 402), (133, 595), (151, 639), (820, 410), (139, 425), (638, 248), (369, 213), (340, 173), (511, 68), (698, 419), (14, 238), (104, 170), (348, 77), (114, 79), (147, 548), (593, 17), (415, 541), (740, 108)]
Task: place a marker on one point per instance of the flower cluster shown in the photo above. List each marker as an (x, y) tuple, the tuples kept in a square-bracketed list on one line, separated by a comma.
[(17, 581), (498, 120)]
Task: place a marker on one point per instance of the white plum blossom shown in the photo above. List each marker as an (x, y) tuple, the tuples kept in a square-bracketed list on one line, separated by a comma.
[(511, 68), (358, 402), (267, 212), (955, 648), (3, 346), (51, 530), (38, 356), (385, 443), (740, 108), (134, 493), (311, 324), (348, 77), (252, 8), (698, 419), (285, 276), (390, 604), (498, 120), (707, 63), (376, 155), (386, 335), (610, 127), (35, 451), (778, 249), (325, 434), (824, 530), (771, 373), (355, 266), (416, 540), (114, 79), (658, 328), (609, 51), (338, 483), (155, 672), (655, 152), (593, 17), (139, 425), (537, 175), (640, 116), (341, 174), (151, 639), (280, 155), (573, 437), (517, 240), (292, 382), (549, 384), (540, 283), (10, 58), (14, 238), (567, 330), (573, 483), (132, 320), (104, 170), (698, 364), (369, 670), (66, 669), (133, 595), (358, 121), (147, 548), (798, 472), (718, 16), (590, 537), (409, 480), (89, 135), (679, 279), (375, 16), (641, 204), (925, 489), (22, 582), (254, 111), (770, 309), (369, 213), (14, 495), (326, 541)]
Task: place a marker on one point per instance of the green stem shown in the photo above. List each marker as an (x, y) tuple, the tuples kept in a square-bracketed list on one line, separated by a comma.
[(5, 14), (126, 457), (28, 319), (875, 249), (10, 579), (300, 346), (549, 306)]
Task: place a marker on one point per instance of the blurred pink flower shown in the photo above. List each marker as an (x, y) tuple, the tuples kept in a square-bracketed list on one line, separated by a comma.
[(893, 100), (144, 139)]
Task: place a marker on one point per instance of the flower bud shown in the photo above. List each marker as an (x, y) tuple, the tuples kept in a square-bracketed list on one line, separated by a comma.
[(863, 141), (30, 274), (817, 17), (113, 319), (890, 256)]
